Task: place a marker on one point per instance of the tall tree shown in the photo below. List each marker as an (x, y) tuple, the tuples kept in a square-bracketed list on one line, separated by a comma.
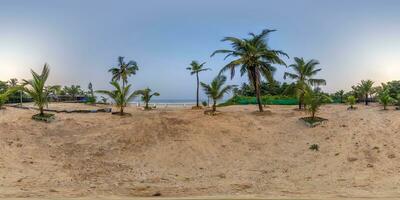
[(254, 57), (366, 89), (123, 70), (13, 82), (195, 68), (36, 88), (303, 73), (216, 90)]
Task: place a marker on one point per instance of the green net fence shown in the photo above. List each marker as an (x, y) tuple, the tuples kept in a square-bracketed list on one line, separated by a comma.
[(267, 100)]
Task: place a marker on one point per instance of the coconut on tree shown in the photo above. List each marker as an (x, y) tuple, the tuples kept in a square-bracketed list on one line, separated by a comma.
[(216, 90), (146, 96), (36, 89), (303, 74), (121, 96), (195, 68), (254, 57)]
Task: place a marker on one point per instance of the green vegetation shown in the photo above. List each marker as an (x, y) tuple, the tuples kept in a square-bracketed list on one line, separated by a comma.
[(123, 71), (121, 96), (385, 99), (146, 96), (195, 68), (36, 89), (303, 74), (216, 89), (365, 88), (73, 91), (340, 95), (266, 100), (314, 147), (314, 100), (4, 96), (91, 99), (254, 58), (351, 100)]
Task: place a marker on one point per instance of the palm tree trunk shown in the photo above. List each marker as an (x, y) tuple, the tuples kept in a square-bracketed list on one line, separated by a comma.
[(257, 89), (214, 108), (197, 93), (299, 103), (147, 105), (366, 99), (301, 97), (121, 110), (41, 110)]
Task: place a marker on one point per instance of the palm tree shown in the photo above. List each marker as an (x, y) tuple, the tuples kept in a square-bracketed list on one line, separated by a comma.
[(73, 91), (123, 70), (121, 96), (340, 94), (4, 96), (314, 100), (13, 82), (385, 99), (146, 96), (366, 89), (351, 100), (254, 57), (216, 90), (36, 88), (303, 75), (196, 68)]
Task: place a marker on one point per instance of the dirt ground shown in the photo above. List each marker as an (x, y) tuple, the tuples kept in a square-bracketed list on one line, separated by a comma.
[(184, 153)]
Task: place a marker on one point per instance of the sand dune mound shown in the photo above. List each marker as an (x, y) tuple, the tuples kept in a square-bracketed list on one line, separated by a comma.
[(182, 152)]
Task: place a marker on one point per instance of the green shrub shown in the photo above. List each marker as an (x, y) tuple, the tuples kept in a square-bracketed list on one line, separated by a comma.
[(385, 99), (351, 100), (314, 147)]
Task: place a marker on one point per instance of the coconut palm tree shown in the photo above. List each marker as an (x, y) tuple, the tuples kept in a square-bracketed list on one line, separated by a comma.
[(366, 89), (196, 68), (123, 70), (216, 90), (73, 91), (121, 96), (340, 94), (36, 89), (351, 100), (13, 82), (4, 96), (254, 57), (146, 96), (314, 100), (385, 99), (303, 73)]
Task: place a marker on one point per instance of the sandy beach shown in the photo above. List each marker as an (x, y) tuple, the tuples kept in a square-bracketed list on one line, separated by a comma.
[(182, 152)]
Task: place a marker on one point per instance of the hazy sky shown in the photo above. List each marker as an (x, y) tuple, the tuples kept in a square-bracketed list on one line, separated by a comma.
[(81, 40)]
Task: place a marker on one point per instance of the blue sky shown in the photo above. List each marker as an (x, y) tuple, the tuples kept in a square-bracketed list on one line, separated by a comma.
[(81, 40)]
